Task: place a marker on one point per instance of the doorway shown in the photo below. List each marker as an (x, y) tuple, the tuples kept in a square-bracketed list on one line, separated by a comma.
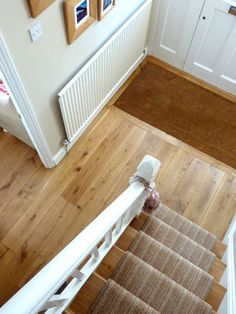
[(23, 106), (10, 120)]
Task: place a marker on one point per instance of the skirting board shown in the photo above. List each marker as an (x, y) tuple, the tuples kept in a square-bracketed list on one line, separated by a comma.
[(60, 155)]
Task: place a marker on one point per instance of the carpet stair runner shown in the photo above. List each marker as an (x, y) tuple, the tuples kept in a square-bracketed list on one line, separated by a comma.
[(161, 264), (120, 300)]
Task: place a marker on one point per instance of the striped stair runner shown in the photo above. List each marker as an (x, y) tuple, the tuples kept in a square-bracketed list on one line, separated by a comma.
[(181, 244), (156, 289), (172, 265), (186, 227), (164, 270), (116, 299)]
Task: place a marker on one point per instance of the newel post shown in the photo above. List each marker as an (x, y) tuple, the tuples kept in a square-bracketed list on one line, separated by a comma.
[(146, 174)]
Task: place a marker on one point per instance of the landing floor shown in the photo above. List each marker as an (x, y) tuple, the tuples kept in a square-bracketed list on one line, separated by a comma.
[(42, 210)]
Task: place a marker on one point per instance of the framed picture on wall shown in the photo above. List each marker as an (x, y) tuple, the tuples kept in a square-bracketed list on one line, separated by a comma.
[(38, 6), (79, 15), (104, 7)]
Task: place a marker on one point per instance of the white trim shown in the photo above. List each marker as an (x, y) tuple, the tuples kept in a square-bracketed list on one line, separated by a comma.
[(59, 155), (153, 25), (231, 269), (231, 227), (23, 106)]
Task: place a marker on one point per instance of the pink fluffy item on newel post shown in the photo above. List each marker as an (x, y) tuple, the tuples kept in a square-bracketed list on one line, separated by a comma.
[(153, 201)]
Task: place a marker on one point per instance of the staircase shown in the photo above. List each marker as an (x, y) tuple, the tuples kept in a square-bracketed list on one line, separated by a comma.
[(161, 264), (126, 261)]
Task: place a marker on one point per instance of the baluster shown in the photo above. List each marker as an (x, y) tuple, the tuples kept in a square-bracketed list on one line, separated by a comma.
[(108, 238), (127, 215), (78, 275), (95, 253), (119, 224), (55, 301)]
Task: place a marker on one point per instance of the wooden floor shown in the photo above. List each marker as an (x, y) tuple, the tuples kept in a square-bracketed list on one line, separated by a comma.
[(42, 210)]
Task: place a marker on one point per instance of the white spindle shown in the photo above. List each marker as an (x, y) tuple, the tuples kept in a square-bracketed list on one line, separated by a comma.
[(95, 253), (119, 224), (108, 238), (56, 300), (79, 275)]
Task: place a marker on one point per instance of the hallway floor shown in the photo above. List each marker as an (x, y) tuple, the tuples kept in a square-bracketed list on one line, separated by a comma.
[(42, 210)]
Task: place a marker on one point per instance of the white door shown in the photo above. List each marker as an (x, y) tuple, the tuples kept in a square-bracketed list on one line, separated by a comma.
[(176, 24), (212, 56)]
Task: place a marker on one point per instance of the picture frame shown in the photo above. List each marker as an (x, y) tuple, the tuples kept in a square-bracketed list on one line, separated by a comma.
[(79, 15), (38, 6), (104, 7)]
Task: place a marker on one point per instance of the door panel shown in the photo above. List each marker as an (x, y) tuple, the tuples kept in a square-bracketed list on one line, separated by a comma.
[(176, 24), (212, 55)]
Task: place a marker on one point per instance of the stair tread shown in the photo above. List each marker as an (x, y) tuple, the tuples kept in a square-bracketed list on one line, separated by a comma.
[(186, 227), (217, 269), (119, 300), (172, 265), (112, 260), (218, 249), (165, 296), (88, 294), (179, 243), (160, 271), (124, 242)]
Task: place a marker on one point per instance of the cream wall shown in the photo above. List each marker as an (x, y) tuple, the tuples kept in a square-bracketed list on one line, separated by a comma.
[(46, 65)]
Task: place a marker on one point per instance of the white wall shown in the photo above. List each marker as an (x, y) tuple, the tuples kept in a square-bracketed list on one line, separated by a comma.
[(46, 65)]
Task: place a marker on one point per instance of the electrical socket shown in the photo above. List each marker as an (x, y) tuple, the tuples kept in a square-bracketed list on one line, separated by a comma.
[(36, 31)]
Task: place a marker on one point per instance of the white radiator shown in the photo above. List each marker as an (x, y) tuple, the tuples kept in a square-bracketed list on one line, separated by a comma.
[(92, 87)]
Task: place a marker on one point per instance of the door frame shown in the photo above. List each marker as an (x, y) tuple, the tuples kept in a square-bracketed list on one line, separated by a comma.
[(23, 106)]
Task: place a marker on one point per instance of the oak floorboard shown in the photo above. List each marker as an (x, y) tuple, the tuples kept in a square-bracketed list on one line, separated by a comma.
[(21, 174), (50, 207), (59, 179), (173, 174), (192, 178), (96, 163), (8, 145), (172, 140), (204, 194), (23, 199), (219, 214), (11, 162), (150, 145)]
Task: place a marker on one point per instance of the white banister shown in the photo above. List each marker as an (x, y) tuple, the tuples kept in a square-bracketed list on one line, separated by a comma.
[(95, 241)]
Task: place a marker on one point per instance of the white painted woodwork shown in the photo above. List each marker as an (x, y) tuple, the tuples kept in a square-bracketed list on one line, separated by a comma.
[(92, 87), (212, 56), (174, 30), (23, 105), (71, 267)]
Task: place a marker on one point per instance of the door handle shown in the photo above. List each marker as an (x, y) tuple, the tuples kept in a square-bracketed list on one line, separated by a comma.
[(232, 10)]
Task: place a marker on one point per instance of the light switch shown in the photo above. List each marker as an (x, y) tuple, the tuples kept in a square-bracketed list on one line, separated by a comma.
[(36, 31)]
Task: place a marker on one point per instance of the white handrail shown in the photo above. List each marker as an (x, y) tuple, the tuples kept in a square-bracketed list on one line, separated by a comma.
[(40, 292)]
